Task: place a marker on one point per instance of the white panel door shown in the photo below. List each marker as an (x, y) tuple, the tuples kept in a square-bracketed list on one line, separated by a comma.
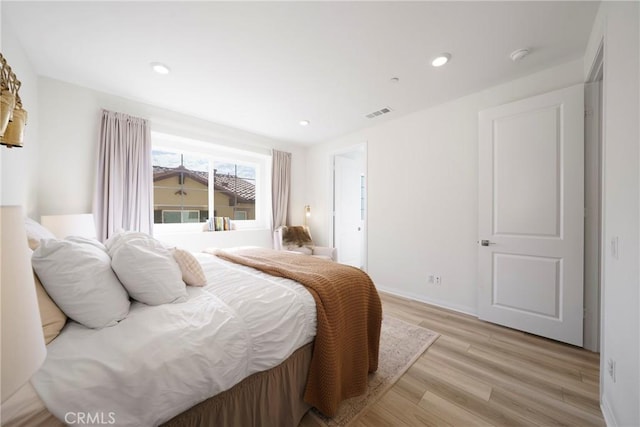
[(531, 213), (348, 219)]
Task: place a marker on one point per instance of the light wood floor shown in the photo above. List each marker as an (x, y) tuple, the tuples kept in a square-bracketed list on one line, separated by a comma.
[(478, 373)]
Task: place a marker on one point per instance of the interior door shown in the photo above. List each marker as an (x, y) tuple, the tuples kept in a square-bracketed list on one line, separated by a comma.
[(348, 220), (531, 214)]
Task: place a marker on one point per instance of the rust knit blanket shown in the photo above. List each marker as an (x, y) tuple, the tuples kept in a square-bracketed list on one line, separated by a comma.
[(349, 317)]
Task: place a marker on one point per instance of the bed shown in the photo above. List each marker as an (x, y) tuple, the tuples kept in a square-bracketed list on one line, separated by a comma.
[(238, 351)]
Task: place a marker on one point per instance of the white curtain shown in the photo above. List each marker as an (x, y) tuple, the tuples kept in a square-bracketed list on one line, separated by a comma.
[(124, 193), (280, 187)]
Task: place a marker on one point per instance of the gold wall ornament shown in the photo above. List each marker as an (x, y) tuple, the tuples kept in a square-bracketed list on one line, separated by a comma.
[(8, 103), (14, 134), (13, 118)]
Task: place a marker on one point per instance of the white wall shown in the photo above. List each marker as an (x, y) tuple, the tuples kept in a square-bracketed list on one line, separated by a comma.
[(19, 166), (617, 24), (422, 191), (69, 123)]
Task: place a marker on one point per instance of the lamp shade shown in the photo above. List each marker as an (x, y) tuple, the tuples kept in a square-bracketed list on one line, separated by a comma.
[(307, 213), (23, 348), (70, 225)]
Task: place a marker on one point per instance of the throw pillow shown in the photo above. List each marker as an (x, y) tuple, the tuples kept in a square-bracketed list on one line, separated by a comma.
[(53, 319), (296, 235), (192, 272)]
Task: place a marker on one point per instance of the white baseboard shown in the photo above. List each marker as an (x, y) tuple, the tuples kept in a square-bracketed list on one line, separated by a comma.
[(607, 413), (444, 304)]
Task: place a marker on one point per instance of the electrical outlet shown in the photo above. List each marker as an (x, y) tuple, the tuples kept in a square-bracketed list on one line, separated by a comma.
[(431, 279), (611, 369), (437, 280)]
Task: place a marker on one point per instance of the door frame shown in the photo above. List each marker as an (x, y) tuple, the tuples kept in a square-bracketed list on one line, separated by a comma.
[(592, 335), (362, 148), (597, 71)]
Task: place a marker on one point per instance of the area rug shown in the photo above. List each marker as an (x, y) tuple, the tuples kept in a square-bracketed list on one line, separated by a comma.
[(401, 344)]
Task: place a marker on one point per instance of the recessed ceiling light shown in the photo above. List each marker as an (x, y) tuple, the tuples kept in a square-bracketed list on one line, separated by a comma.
[(519, 54), (304, 122), (441, 59), (160, 68)]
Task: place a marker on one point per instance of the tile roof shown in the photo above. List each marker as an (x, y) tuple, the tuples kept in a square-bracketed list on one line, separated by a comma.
[(228, 184)]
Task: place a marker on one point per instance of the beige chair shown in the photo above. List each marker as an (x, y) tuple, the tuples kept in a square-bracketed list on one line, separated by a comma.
[(298, 239)]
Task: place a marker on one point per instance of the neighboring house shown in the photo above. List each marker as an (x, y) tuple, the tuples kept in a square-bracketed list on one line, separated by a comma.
[(182, 195)]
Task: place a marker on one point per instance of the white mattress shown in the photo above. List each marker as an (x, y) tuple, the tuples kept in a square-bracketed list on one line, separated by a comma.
[(162, 360)]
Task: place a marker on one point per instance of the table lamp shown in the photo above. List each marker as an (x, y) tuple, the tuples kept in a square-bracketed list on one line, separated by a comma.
[(23, 348)]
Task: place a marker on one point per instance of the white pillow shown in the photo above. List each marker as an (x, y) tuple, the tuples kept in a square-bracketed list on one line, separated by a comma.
[(87, 241), (147, 270), (35, 233), (79, 278), (121, 237)]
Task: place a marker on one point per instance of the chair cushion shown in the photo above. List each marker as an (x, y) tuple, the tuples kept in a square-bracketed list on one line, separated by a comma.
[(301, 250)]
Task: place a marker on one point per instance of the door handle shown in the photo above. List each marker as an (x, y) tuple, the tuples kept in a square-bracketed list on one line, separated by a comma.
[(486, 243)]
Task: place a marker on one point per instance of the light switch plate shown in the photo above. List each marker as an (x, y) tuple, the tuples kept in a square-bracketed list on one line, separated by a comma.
[(615, 253)]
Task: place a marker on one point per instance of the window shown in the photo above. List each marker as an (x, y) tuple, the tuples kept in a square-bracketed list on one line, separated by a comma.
[(172, 217), (234, 190), (194, 181), (180, 187)]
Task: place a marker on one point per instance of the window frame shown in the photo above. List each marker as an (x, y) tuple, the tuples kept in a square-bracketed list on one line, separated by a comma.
[(216, 152)]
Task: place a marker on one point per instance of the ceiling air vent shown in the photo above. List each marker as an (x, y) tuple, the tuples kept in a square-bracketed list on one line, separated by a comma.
[(380, 112)]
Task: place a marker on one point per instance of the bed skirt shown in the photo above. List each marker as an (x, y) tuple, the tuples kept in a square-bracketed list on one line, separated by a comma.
[(269, 398)]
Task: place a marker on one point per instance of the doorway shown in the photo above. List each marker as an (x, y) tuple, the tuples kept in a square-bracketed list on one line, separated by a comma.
[(349, 206)]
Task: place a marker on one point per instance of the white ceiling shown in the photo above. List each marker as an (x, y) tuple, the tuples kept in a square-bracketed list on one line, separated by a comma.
[(264, 66)]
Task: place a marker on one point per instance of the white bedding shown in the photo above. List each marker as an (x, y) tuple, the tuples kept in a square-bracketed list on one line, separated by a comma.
[(161, 360)]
